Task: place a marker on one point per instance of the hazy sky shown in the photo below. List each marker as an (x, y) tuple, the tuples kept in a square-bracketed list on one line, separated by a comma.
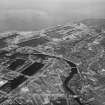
[(37, 14)]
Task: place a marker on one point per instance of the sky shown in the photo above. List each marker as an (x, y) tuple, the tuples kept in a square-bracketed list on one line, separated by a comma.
[(38, 14)]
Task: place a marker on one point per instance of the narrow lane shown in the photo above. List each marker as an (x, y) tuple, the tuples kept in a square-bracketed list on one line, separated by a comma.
[(66, 82)]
